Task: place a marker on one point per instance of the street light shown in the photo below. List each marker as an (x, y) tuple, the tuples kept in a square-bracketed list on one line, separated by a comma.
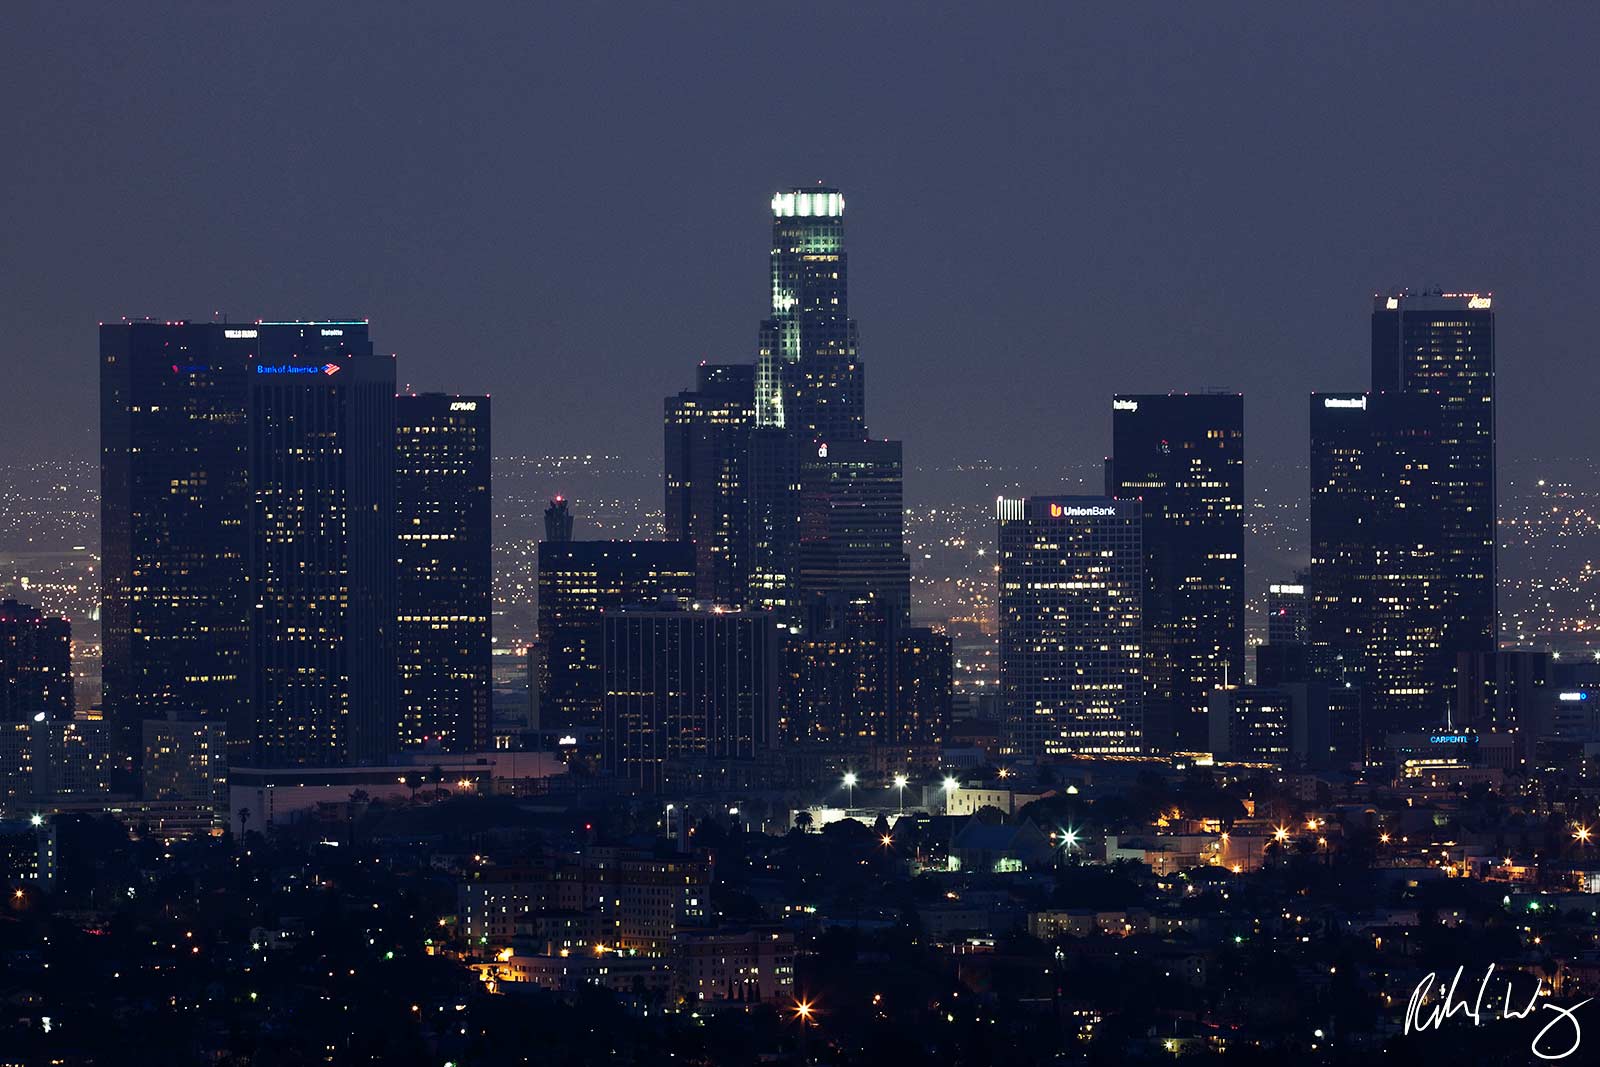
[(950, 786), (804, 1014), (850, 784), (900, 784)]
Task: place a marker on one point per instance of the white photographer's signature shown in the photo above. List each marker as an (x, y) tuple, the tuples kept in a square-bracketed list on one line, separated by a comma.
[(1423, 1014)]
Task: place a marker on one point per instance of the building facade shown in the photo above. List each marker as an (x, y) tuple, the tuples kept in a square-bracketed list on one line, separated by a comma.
[(1441, 345), (35, 664), (444, 524), (708, 478), (321, 417), (174, 520), (1182, 456), (580, 582), (686, 684), (1070, 605)]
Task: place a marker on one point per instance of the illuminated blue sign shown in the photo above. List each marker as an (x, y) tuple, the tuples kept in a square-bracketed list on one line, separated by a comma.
[(290, 368), (1451, 739)]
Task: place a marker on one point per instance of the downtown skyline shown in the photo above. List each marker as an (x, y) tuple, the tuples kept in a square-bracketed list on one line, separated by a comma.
[(471, 605)]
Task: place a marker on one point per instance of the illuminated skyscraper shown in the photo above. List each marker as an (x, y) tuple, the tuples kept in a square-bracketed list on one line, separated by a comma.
[(707, 477), (1183, 456), (1071, 592), (1442, 345), (444, 524), (808, 379), (174, 520), (580, 583), (322, 674), (1377, 555)]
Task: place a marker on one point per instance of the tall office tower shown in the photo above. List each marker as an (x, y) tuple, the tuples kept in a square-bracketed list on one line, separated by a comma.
[(1340, 523), (580, 582), (558, 520), (1183, 456), (323, 685), (1071, 595), (1442, 345), (808, 378), (852, 525), (1376, 553), (839, 672), (686, 685), (923, 682), (444, 518), (174, 520), (707, 477), (774, 532), (1288, 608), (35, 664)]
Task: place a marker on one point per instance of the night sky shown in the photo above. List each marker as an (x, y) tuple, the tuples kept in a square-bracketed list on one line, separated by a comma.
[(566, 206)]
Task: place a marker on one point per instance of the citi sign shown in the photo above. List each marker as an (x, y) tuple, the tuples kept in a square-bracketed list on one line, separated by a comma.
[(290, 368), (1058, 510)]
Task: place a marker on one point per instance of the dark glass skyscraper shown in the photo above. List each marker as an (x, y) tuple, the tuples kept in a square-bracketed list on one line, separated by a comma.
[(808, 379), (707, 477), (444, 523), (852, 525), (322, 549), (1340, 522), (174, 520), (1183, 456), (35, 664), (686, 685), (1070, 605), (1377, 558), (1442, 345), (580, 583)]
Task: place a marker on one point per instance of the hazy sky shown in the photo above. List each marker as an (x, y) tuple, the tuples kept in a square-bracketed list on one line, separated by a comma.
[(566, 205)]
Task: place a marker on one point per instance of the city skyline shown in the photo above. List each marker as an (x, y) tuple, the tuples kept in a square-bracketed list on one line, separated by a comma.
[(1186, 645)]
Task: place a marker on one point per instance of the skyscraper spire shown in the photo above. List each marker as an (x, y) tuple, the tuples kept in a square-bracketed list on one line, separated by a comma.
[(808, 379)]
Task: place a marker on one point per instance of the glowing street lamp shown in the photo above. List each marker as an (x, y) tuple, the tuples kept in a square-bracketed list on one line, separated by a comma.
[(1581, 834), (805, 1014), (1281, 834), (850, 784), (900, 784)]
